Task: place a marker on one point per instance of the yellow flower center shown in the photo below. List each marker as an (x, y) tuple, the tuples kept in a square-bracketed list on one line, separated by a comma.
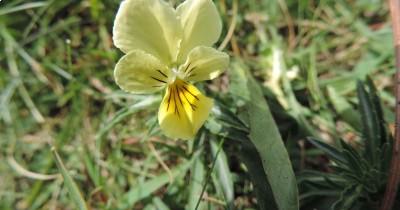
[(183, 109), (180, 96)]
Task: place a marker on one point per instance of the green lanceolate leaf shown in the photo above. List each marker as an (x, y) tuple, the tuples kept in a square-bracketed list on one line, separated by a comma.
[(348, 198), (269, 157), (331, 151), (353, 158), (376, 103), (250, 157), (371, 129), (266, 138)]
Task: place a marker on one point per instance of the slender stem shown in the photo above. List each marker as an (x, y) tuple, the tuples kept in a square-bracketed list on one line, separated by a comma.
[(232, 26), (394, 175), (203, 190)]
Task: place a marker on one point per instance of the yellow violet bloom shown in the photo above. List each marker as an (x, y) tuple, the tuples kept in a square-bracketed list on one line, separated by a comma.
[(167, 48)]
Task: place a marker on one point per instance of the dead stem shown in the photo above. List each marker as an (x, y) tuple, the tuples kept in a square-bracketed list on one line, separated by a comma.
[(394, 175)]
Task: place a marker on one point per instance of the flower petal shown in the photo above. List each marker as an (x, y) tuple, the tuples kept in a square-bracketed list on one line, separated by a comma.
[(140, 72), (201, 25), (204, 63), (183, 110), (148, 25)]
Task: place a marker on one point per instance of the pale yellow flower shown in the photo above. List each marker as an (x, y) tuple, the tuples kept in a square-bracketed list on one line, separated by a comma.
[(170, 48)]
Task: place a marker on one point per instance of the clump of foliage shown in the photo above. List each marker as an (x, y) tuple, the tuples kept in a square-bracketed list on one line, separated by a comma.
[(359, 168)]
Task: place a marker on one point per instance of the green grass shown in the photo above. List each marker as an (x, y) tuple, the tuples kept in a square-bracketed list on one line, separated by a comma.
[(57, 89)]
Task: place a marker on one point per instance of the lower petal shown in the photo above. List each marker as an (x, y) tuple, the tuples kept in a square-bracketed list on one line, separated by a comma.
[(183, 110)]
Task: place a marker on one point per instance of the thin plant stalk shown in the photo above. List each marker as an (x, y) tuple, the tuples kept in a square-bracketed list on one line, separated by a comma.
[(394, 175)]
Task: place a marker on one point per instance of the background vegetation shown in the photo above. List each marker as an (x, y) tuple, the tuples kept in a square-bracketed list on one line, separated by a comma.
[(304, 57)]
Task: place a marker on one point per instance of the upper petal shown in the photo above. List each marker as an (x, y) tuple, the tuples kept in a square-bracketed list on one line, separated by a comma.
[(183, 110), (204, 63), (201, 25), (148, 25), (140, 72)]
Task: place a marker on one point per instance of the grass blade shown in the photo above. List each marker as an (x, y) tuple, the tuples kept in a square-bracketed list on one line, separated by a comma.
[(72, 188), (197, 178), (224, 174), (145, 189), (344, 109), (22, 7), (209, 172), (125, 112)]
